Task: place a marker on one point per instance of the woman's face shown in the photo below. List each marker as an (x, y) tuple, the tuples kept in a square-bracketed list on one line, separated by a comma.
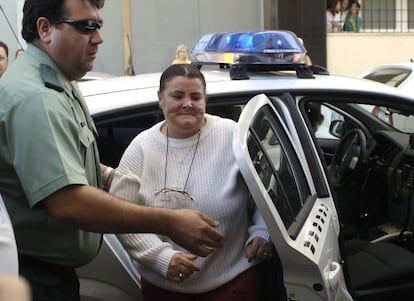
[(354, 9), (182, 54), (338, 6), (183, 103)]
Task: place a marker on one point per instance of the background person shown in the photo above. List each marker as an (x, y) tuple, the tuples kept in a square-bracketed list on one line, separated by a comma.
[(199, 171), (345, 9), (353, 22), (308, 60), (4, 57), (181, 55), (314, 113), (8, 249), (12, 287), (333, 18), (18, 53), (50, 176)]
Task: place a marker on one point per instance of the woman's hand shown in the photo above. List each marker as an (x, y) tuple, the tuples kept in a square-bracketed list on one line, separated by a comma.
[(181, 267), (258, 249)]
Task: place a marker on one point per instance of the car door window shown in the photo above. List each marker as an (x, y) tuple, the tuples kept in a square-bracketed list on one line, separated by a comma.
[(273, 157)]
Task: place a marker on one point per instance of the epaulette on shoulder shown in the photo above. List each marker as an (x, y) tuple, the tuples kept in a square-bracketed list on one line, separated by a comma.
[(50, 78)]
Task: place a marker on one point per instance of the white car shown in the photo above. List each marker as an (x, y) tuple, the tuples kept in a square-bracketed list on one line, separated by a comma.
[(400, 76), (338, 205), (93, 75)]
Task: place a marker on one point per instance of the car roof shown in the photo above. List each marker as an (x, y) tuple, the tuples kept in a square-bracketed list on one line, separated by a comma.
[(94, 75), (111, 94)]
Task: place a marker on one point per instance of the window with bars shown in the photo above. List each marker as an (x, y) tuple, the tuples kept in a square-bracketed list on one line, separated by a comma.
[(386, 15)]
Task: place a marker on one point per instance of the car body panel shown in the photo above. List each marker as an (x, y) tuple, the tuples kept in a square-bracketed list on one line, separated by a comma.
[(112, 263)]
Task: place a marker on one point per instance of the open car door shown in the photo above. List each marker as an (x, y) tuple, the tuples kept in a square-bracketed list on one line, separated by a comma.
[(284, 174)]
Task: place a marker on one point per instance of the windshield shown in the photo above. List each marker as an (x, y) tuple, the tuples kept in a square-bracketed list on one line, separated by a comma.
[(402, 122)]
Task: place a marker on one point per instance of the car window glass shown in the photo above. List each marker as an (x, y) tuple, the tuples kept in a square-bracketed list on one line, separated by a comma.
[(329, 116), (273, 157), (401, 121), (321, 118)]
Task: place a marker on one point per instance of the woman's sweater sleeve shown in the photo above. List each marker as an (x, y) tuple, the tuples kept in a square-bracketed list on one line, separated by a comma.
[(258, 227), (146, 249)]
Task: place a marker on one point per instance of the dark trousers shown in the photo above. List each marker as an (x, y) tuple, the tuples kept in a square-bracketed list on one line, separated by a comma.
[(49, 282), (248, 286)]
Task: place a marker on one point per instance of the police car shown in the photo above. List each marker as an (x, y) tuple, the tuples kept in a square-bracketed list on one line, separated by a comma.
[(333, 181)]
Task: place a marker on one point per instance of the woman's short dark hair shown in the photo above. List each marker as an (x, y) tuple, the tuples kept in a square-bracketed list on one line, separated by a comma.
[(186, 70), (53, 10)]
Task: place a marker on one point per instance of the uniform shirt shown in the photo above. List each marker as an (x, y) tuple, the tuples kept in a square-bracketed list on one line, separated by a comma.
[(46, 143)]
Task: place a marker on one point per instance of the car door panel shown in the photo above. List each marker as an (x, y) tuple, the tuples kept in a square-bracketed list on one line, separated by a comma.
[(300, 223)]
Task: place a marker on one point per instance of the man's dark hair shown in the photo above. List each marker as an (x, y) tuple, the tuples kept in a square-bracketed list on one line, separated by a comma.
[(53, 10), (6, 48), (314, 112)]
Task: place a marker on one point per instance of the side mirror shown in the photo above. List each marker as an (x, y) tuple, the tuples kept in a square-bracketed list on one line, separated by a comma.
[(336, 128)]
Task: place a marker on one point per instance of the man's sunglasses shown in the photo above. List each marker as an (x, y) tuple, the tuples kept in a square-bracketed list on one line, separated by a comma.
[(84, 26)]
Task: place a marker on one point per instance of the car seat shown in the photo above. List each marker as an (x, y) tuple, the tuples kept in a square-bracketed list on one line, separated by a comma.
[(379, 271)]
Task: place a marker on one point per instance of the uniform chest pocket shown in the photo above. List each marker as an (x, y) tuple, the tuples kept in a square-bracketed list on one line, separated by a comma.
[(86, 136)]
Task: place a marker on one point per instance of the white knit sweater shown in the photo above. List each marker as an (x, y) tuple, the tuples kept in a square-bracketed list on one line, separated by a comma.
[(218, 190)]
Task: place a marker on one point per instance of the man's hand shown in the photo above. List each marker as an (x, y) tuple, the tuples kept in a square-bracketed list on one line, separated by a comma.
[(182, 267), (194, 231)]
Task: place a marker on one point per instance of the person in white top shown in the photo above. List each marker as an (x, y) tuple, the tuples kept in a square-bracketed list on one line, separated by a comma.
[(334, 18), (12, 287), (187, 161), (8, 250)]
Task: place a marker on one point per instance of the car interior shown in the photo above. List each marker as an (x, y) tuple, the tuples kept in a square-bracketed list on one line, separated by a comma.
[(370, 169)]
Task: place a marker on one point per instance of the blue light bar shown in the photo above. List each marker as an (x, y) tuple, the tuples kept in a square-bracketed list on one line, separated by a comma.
[(252, 47)]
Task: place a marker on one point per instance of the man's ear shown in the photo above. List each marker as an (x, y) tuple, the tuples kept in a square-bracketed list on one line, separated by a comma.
[(44, 28)]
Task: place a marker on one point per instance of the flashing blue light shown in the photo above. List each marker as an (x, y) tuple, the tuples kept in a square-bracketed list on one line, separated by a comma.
[(252, 47)]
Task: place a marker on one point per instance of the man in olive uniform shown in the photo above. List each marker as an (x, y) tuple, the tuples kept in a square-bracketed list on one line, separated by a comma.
[(50, 175)]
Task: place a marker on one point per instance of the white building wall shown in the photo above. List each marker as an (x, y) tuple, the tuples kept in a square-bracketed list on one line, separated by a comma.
[(110, 57), (9, 10), (353, 53), (158, 26)]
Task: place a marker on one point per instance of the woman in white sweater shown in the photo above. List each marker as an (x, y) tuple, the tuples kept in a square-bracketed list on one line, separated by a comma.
[(187, 161)]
